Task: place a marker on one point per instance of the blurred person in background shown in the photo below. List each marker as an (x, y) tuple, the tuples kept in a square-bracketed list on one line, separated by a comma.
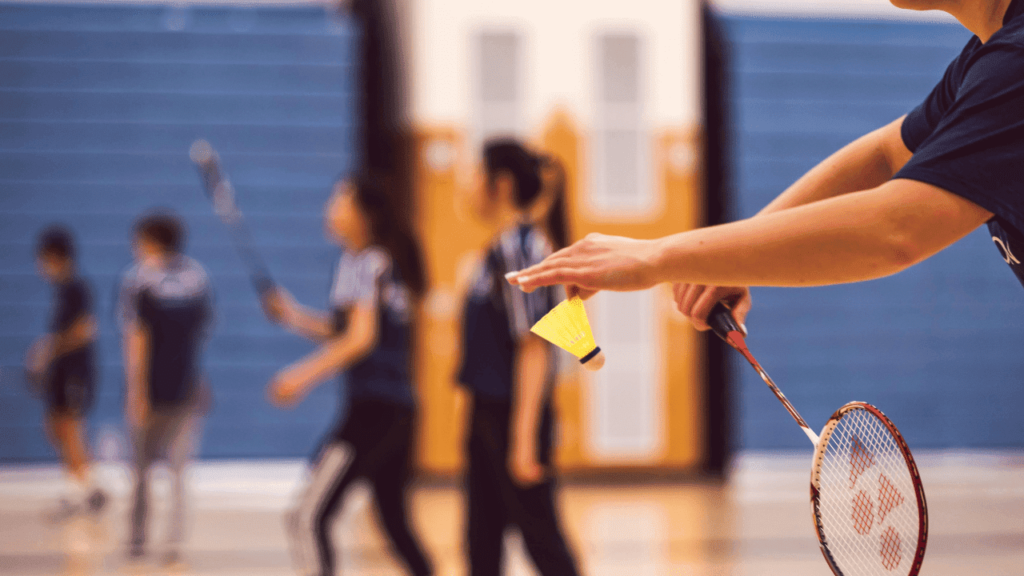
[(62, 364), (508, 371), (883, 203), (165, 310), (368, 333)]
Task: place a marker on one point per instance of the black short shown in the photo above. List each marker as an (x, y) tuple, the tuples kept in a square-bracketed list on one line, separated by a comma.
[(71, 384)]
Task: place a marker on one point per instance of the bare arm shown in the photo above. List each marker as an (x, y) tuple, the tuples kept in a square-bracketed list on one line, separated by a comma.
[(528, 398), (296, 380), (865, 163), (81, 333), (849, 238), (281, 307), (136, 359)]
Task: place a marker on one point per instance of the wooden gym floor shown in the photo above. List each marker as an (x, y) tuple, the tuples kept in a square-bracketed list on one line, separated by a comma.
[(758, 524)]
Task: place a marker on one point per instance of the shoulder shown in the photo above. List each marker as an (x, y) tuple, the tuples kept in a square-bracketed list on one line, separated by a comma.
[(196, 270), (134, 276)]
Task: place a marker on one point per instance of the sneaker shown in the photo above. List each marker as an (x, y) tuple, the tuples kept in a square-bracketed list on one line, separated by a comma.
[(97, 501)]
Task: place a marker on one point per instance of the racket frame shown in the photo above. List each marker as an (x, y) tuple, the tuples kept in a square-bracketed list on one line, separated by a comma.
[(221, 193), (915, 476)]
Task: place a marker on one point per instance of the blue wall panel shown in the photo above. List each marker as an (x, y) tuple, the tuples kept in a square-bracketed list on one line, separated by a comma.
[(937, 347), (98, 106)]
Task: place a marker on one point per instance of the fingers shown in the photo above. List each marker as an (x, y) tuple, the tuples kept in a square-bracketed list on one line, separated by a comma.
[(740, 309), (552, 276), (580, 292), (702, 308)]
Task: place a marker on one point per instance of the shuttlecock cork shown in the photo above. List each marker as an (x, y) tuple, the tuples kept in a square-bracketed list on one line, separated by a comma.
[(567, 327)]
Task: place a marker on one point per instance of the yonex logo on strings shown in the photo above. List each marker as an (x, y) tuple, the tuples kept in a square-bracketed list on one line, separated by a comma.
[(863, 506)]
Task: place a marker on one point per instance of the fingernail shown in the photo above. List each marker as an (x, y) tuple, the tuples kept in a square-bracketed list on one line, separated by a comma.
[(511, 275), (744, 328)]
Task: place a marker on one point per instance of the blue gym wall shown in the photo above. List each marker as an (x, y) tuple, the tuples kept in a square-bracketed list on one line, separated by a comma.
[(98, 106), (940, 347)]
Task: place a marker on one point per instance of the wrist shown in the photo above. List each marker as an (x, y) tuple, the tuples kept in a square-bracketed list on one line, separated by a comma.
[(657, 260)]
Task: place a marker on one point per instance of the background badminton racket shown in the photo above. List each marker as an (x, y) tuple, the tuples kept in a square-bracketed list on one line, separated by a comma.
[(867, 498), (218, 188)]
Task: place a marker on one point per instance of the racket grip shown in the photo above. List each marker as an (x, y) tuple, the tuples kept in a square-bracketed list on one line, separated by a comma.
[(721, 321)]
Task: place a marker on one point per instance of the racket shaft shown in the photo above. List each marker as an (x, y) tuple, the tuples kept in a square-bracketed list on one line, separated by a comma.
[(210, 172), (725, 327)]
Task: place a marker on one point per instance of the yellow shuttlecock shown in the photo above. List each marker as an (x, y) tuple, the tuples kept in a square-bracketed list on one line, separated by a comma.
[(567, 327)]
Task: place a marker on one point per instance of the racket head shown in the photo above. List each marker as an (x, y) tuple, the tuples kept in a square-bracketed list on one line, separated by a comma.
[(867, 498)]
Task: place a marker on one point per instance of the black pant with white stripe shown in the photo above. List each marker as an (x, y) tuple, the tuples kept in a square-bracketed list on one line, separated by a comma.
[(375, 444), (496, 502)]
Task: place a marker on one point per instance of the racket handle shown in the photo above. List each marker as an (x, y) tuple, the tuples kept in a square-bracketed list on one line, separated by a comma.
[(721, 321)]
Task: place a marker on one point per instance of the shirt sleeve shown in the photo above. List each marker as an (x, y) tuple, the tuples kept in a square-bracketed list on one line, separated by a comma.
[(516, 253), (921, 121), (357, 279), (976, 149)]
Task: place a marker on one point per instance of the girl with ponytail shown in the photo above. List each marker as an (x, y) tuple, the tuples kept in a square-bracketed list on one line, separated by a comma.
[(508, 371), (378, 283)]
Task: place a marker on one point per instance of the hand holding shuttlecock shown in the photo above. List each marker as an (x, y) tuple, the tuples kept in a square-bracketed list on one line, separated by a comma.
[(567, 327)]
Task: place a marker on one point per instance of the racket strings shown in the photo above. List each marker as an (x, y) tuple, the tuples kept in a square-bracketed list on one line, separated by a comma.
[(867, 500)]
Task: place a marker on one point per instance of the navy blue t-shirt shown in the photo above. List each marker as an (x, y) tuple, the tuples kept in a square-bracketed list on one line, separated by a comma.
[(497, 316), (968, 135), (73, 300), (370, 278), (174, 306)]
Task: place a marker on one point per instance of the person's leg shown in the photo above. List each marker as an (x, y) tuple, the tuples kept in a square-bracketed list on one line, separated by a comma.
[(538, 521), (181, 435), (143, 455), (485, 512), (535, 511), (390, 480), (309, 524)]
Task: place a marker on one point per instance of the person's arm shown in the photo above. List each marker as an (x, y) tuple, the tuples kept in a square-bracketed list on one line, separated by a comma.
[(136, 366), (281, 307), (293, 382), (849, 238), (81, 333), (530, 374), (864, 164)]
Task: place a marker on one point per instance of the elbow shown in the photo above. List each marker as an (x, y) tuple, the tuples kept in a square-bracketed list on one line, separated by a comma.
[(365, 343), (903, 247)]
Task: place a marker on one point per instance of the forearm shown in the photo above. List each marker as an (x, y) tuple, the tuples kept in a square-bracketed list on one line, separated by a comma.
[(309, 323), (331, 358), (528, 398), (865, 163), (78, 335), (135, 359), (854, 237)]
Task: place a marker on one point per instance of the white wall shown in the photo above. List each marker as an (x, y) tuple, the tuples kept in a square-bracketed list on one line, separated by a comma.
[(557, 57)]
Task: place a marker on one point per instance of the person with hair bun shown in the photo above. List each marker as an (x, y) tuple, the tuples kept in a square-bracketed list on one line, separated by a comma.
[(509, 372)]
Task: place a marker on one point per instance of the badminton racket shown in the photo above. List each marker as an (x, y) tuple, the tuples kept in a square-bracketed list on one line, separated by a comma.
[(222, 194), (867, 498)]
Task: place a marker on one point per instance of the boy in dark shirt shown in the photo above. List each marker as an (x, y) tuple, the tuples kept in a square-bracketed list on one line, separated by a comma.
[(61, 363), (164, 309)]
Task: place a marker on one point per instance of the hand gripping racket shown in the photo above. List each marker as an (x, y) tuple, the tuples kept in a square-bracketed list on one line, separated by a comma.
[(866, 494), (222, 194)]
